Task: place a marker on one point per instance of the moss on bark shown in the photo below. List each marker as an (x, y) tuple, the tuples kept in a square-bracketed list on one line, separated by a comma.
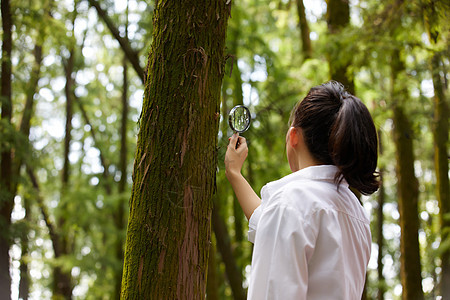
[(168, 233)]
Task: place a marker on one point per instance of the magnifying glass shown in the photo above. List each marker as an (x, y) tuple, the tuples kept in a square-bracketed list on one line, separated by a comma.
[(239, 119)]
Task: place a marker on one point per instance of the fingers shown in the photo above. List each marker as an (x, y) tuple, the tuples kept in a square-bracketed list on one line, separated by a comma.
[(233, 139), (236, 142), (242, 140)]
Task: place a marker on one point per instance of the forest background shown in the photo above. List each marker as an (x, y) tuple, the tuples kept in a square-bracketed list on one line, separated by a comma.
[(72, 85)]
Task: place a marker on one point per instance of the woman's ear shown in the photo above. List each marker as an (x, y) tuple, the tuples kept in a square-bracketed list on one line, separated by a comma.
[(293, 137)]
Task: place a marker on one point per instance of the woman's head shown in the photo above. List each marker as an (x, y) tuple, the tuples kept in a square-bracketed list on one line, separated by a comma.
[(337, 129)]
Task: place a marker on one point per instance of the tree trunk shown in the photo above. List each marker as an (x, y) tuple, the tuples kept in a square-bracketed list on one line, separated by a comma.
[(97, 144), (24, 283), (68, 90), (407, 189), (232, 270), (168, 231), (62, 288), (440, 134), (238, 99), (62, 280), (6, 195), (338, 17), (45, 214), (119, 217), (212, 284), (380, 222), (304, 31)]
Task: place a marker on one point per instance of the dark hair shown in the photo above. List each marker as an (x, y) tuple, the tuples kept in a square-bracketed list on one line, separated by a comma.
[(338, 130)]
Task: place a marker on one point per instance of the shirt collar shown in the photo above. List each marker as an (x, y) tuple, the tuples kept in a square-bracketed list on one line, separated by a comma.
[(321, 172)]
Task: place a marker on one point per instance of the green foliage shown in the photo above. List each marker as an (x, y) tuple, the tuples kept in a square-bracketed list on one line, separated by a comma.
[(268, 73)]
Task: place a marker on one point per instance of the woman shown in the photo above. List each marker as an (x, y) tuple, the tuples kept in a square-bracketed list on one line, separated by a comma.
[(311, 235)]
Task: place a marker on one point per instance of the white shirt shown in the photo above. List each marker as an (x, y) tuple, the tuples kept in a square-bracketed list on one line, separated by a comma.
[(312, 241)]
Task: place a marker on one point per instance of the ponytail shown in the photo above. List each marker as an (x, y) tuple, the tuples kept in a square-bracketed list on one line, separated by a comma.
[(339, 130)]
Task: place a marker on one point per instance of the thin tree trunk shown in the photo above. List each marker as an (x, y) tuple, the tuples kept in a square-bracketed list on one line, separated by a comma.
[(380, 222), (304, 31), (407, 189), (168, 232), (28, 111), (62, 280), (238, 99), (97, 144), (24, 128), (24, 283), (119, 217), (68, 90), (237, 210), (232, 270), (440, 134), (212, 283), (130, 53), (6, 195), (45, 214), (338, 17), (33, 87)]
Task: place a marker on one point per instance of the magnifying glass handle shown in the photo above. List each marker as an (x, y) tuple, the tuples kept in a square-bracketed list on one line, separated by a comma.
[(237, 141)]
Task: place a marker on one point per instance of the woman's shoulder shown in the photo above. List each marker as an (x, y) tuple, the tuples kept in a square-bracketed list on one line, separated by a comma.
[(304, 196)]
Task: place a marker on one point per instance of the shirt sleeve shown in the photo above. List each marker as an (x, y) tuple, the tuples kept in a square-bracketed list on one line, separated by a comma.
[(253, 223), (283, 245)]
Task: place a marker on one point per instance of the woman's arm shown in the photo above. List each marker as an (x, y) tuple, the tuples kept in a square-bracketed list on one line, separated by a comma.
[(234, 158)]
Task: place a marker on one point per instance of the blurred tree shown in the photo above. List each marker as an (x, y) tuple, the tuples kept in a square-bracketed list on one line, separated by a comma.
[(119, 217), (380, 222), (234, 274), (270, 74), (6, 166), (25, 131), (62, 279), (304, 30), (212, 282), (130, 53), (338, 17), (168, 231), (407, 189), (435, 20)]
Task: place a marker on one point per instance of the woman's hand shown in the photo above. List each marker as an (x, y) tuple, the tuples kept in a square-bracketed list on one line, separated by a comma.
[(235, 156)]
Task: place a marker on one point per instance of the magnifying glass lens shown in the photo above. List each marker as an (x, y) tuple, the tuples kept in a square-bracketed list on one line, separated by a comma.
[(239, 118)]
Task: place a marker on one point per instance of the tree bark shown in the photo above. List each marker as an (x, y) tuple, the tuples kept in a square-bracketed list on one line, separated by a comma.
[(304, 31), (168, 231), (6, 195), (338, 17), (407, 189)]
